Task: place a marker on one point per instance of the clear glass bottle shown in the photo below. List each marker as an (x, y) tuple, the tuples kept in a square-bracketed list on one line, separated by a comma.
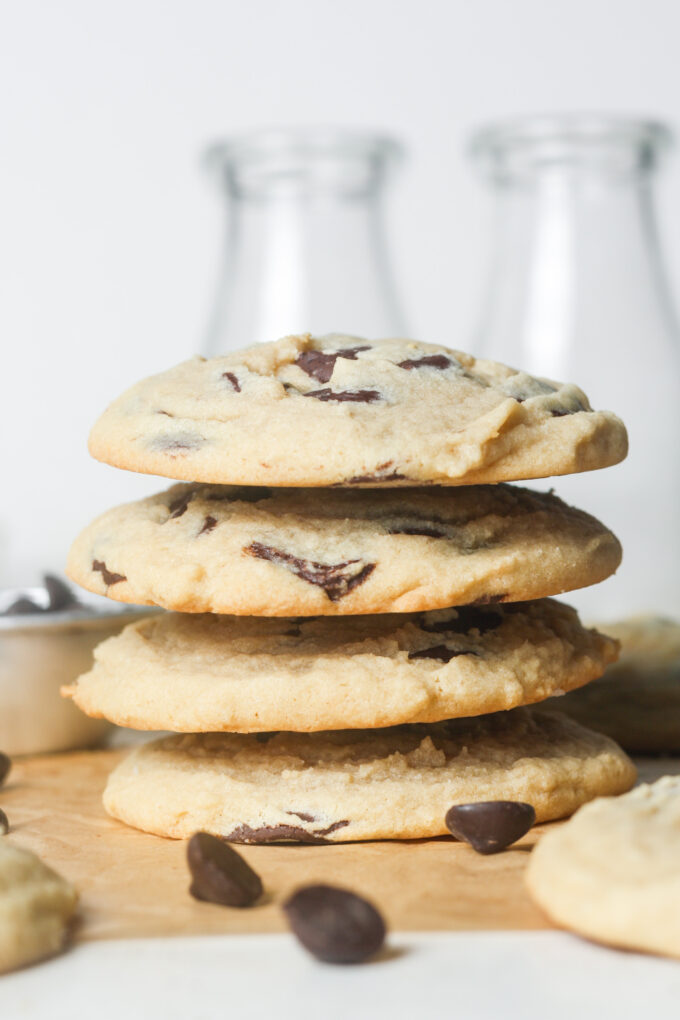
[(577, 292), (305, 243)]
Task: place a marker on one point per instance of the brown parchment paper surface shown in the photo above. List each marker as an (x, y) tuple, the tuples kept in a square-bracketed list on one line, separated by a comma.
[(133, 884)]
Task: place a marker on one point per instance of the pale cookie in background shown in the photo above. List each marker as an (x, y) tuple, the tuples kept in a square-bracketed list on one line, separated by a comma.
[(637, 701), (203, 673), (394, 783), (612, 873), (338, 410), (36, 906), (292, 552)]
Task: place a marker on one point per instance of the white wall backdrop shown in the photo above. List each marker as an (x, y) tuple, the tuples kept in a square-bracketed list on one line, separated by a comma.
[(109, 235)]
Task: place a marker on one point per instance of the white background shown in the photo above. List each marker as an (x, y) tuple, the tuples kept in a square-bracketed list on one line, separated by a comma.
[(109, 236)]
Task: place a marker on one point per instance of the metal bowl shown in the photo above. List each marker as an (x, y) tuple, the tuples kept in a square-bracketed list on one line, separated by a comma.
[(39, 652)]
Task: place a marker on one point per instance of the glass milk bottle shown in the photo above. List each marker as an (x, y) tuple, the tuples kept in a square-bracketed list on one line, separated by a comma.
[(305, 247), (577, 291)]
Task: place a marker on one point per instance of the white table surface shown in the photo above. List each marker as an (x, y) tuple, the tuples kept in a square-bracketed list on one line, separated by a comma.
[(499, 976)]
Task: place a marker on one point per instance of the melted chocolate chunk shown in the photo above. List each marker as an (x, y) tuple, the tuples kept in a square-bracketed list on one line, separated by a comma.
[(274, 834), (219, 873), (5, 766), (180, 443), (233, 380), (335, 578), (302, 815), (394, 476), (319, 364), (335, 925), (108, 576), (490, 826), (440, 652), (439, 361), (560, 412), (468, 618), (357, 396), (208, 524), (179, 505), (489, 600), (4, 823)]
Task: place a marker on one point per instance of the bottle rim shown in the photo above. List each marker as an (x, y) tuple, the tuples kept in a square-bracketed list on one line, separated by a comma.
[(306, 143), (558, 136)]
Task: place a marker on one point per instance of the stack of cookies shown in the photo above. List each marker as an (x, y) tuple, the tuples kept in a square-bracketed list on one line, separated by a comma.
[(359, 606)]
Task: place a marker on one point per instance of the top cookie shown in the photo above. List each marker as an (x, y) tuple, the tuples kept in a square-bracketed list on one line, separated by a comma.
[(337, 410)]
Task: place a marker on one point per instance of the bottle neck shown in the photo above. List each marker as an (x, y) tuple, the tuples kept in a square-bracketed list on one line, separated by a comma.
[(305, 247), (300, 263), (576, 255)]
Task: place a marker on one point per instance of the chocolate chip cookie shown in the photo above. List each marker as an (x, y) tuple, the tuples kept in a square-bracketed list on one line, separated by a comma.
[(252, 550), (612, 873), (395, 783), (637, 701), (338, 410), (203, 673)]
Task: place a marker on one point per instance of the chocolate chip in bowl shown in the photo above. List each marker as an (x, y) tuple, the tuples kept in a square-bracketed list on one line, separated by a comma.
[(47, 639)]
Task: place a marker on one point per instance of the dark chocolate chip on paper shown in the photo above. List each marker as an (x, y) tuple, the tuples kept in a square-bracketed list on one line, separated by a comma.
[(335, 925), (490, 826), (220, 874)]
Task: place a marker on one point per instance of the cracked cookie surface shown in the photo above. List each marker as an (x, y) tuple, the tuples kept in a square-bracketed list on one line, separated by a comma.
[(250, 550), (395, 783), (612, 873), (338, 410), (208, 673)]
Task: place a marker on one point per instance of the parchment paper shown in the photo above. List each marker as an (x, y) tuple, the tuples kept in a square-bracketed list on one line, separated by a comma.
[(133, 884)]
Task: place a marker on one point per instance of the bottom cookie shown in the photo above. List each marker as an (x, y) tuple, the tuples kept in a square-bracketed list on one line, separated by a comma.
[(394, 783), (612, 873)]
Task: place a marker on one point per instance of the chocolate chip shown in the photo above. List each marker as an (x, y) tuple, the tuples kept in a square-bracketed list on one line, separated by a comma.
[(490, 826), (21, 607), (208, 524), (357, 396), (335, 925), (441, 653), (488, 600), (108, 576), (467, 618), (302, 815), (59, 594), (4, 823), (5, 766), (233, 380), (320, 364), (430, 361), (335, 578), (560, 412), (219, 873), (179, 505), (274, 834)]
